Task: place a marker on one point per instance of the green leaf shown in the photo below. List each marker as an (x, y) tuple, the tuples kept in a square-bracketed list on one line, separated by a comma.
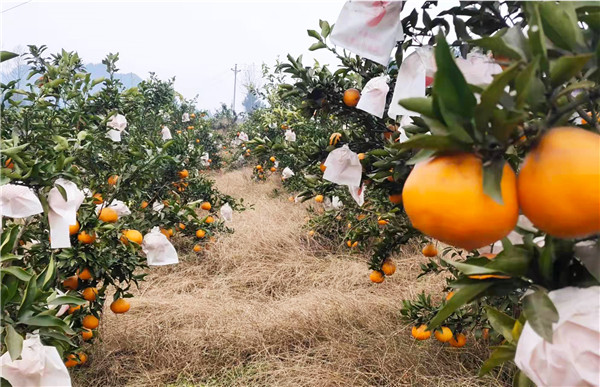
[(49, 274), (546, 260), (422, 106), (566, 67), (501, 322), (521, 380), (314, 34), (17, 272), (97, 81), (421, 155), (463, 296), (28, 297), (7, 55), (14, 342), (540, 313), (536, 34), (491, 96), (513, 261), (62, 191), (325, 28), (470, 269), (317, 46), (500, 355), (492, 177), (560, 24), (523, 82), (9, 238), (46, 321), (510, 43), (67, 300)]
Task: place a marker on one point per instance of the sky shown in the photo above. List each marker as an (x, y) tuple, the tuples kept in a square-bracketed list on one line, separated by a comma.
[(198, 42)]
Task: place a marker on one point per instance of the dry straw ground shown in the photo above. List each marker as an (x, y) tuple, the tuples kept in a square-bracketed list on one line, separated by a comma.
[(267, 307)]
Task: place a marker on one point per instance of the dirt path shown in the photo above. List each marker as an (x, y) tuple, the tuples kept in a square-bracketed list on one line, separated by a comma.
[(261, 308)]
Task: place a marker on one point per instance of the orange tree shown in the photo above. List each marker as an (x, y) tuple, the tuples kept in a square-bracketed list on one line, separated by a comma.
[(57, 128), (465, 142)]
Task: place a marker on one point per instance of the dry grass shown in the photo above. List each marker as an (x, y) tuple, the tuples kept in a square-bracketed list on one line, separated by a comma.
[(262, 309)]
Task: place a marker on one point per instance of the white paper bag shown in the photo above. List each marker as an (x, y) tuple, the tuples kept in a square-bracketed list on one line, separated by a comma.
[(185, 117), (343, 167), (243, 136), (159, 251), (358, 194), (369, 29), (40, 366), (166, 133), (118, 124), (478, 69), (290, 136), (117, 205), (332, 204), (63, 213), (204, 160), (373, 96), (157, 206), (573, 358), (287, 173), (18, 201), (227, 212)]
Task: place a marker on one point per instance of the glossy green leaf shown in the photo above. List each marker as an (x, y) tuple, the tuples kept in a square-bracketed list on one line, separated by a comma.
[(566, 67), (7, 55), (463, 296), (523, 83), (501, 322), (46, 321), (499, 356), (426, 141), (17, 272), (14, 342), (536, 34), (28, 297), (67, 300), (317, 46), (541, 313), (491, 96), (422, 106), (560, 24), (492, 177), (314, 34)]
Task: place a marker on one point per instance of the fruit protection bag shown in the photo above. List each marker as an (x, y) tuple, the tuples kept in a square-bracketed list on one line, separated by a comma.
[(63, 213), (374, 95), (159, 251), (18, 201), (343, 167)]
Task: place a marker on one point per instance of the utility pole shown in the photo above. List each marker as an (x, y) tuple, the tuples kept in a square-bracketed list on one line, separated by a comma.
[(235, 71)]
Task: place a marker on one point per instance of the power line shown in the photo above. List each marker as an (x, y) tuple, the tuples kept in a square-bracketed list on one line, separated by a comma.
[(18, 5)]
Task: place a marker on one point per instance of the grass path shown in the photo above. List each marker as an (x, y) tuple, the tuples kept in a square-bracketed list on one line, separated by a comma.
[(265, 307)]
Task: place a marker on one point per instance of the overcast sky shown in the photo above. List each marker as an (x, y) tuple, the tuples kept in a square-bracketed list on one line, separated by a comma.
[(196, 41)]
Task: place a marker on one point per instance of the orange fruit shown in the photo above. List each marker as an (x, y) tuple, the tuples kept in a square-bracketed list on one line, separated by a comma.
[(73, 309), (376, 276), (421, 332), (183, 174), (361, 156), (200, 233), (85, 274), (181, 226), (489, 255), (319, 198), (459, 341), (311, 233), (87, 334), (71, 361), (89, 294), (209, 219), (197, 248), (449, 296), (272, 159), (165, 232), (395, 198), (351, 97), (120, 305), (559, 183), (190, 127), (583, 121), (322, 167), (9, 163), (144, 204), (388, 267), (443, 197), (90, 322), (273, 169), (259, 167), (429, 250), (444, 335), (112, 180), (192, 115), (97, 199), (74, 228), (82, 357), (71, 283), (86, 238), (206, 206), (485, 333), (132, 236), (382, 222), (108, 215)]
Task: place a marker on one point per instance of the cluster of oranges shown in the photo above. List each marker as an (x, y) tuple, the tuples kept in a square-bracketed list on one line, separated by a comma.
[(443, 334), (387, 268), (260, 170)]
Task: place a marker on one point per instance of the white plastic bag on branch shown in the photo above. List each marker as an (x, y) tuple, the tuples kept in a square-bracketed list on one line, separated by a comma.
[(373, 96), (369, 29), (227, 212), (204, 160), (39, 366), (243, 136), (287, 173), (343, 167), (18, 201), (358, 194), (63, 213), (166, 133), (159, 251), (332, 204), (157, 206), (118, 124), (478, 69), (185, 117), (117, 205), (290, 135), (573, 358)]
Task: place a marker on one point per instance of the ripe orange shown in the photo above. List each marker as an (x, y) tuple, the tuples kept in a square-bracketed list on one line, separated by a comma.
[(291, 199), (71, 361), (200, 233), (90, 322), (444, 335), (209, 219), (361, 156), (361, 216), (319, 198), (421, 332), (449, 296), (376, 276), (120, 305), (311, 233), (71, 283), (9, 163), (190, 127), (273, 169), (351, 97), (86, 238), (183, 173), (73, 309), (443, 197), (132, 236), (97, 199), (197, 248), (181, 226), (272, 159), (89, 294), (85, 274), (112, 180), (74, 228), (322, 167), (429, 250), (144, 204), (192, 115), (206, 206), (388, 267), (459, 341), (259, 167), (82, 357), (87, 334), (395, 198), (382, 222), (559, 183), (108, 215)]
